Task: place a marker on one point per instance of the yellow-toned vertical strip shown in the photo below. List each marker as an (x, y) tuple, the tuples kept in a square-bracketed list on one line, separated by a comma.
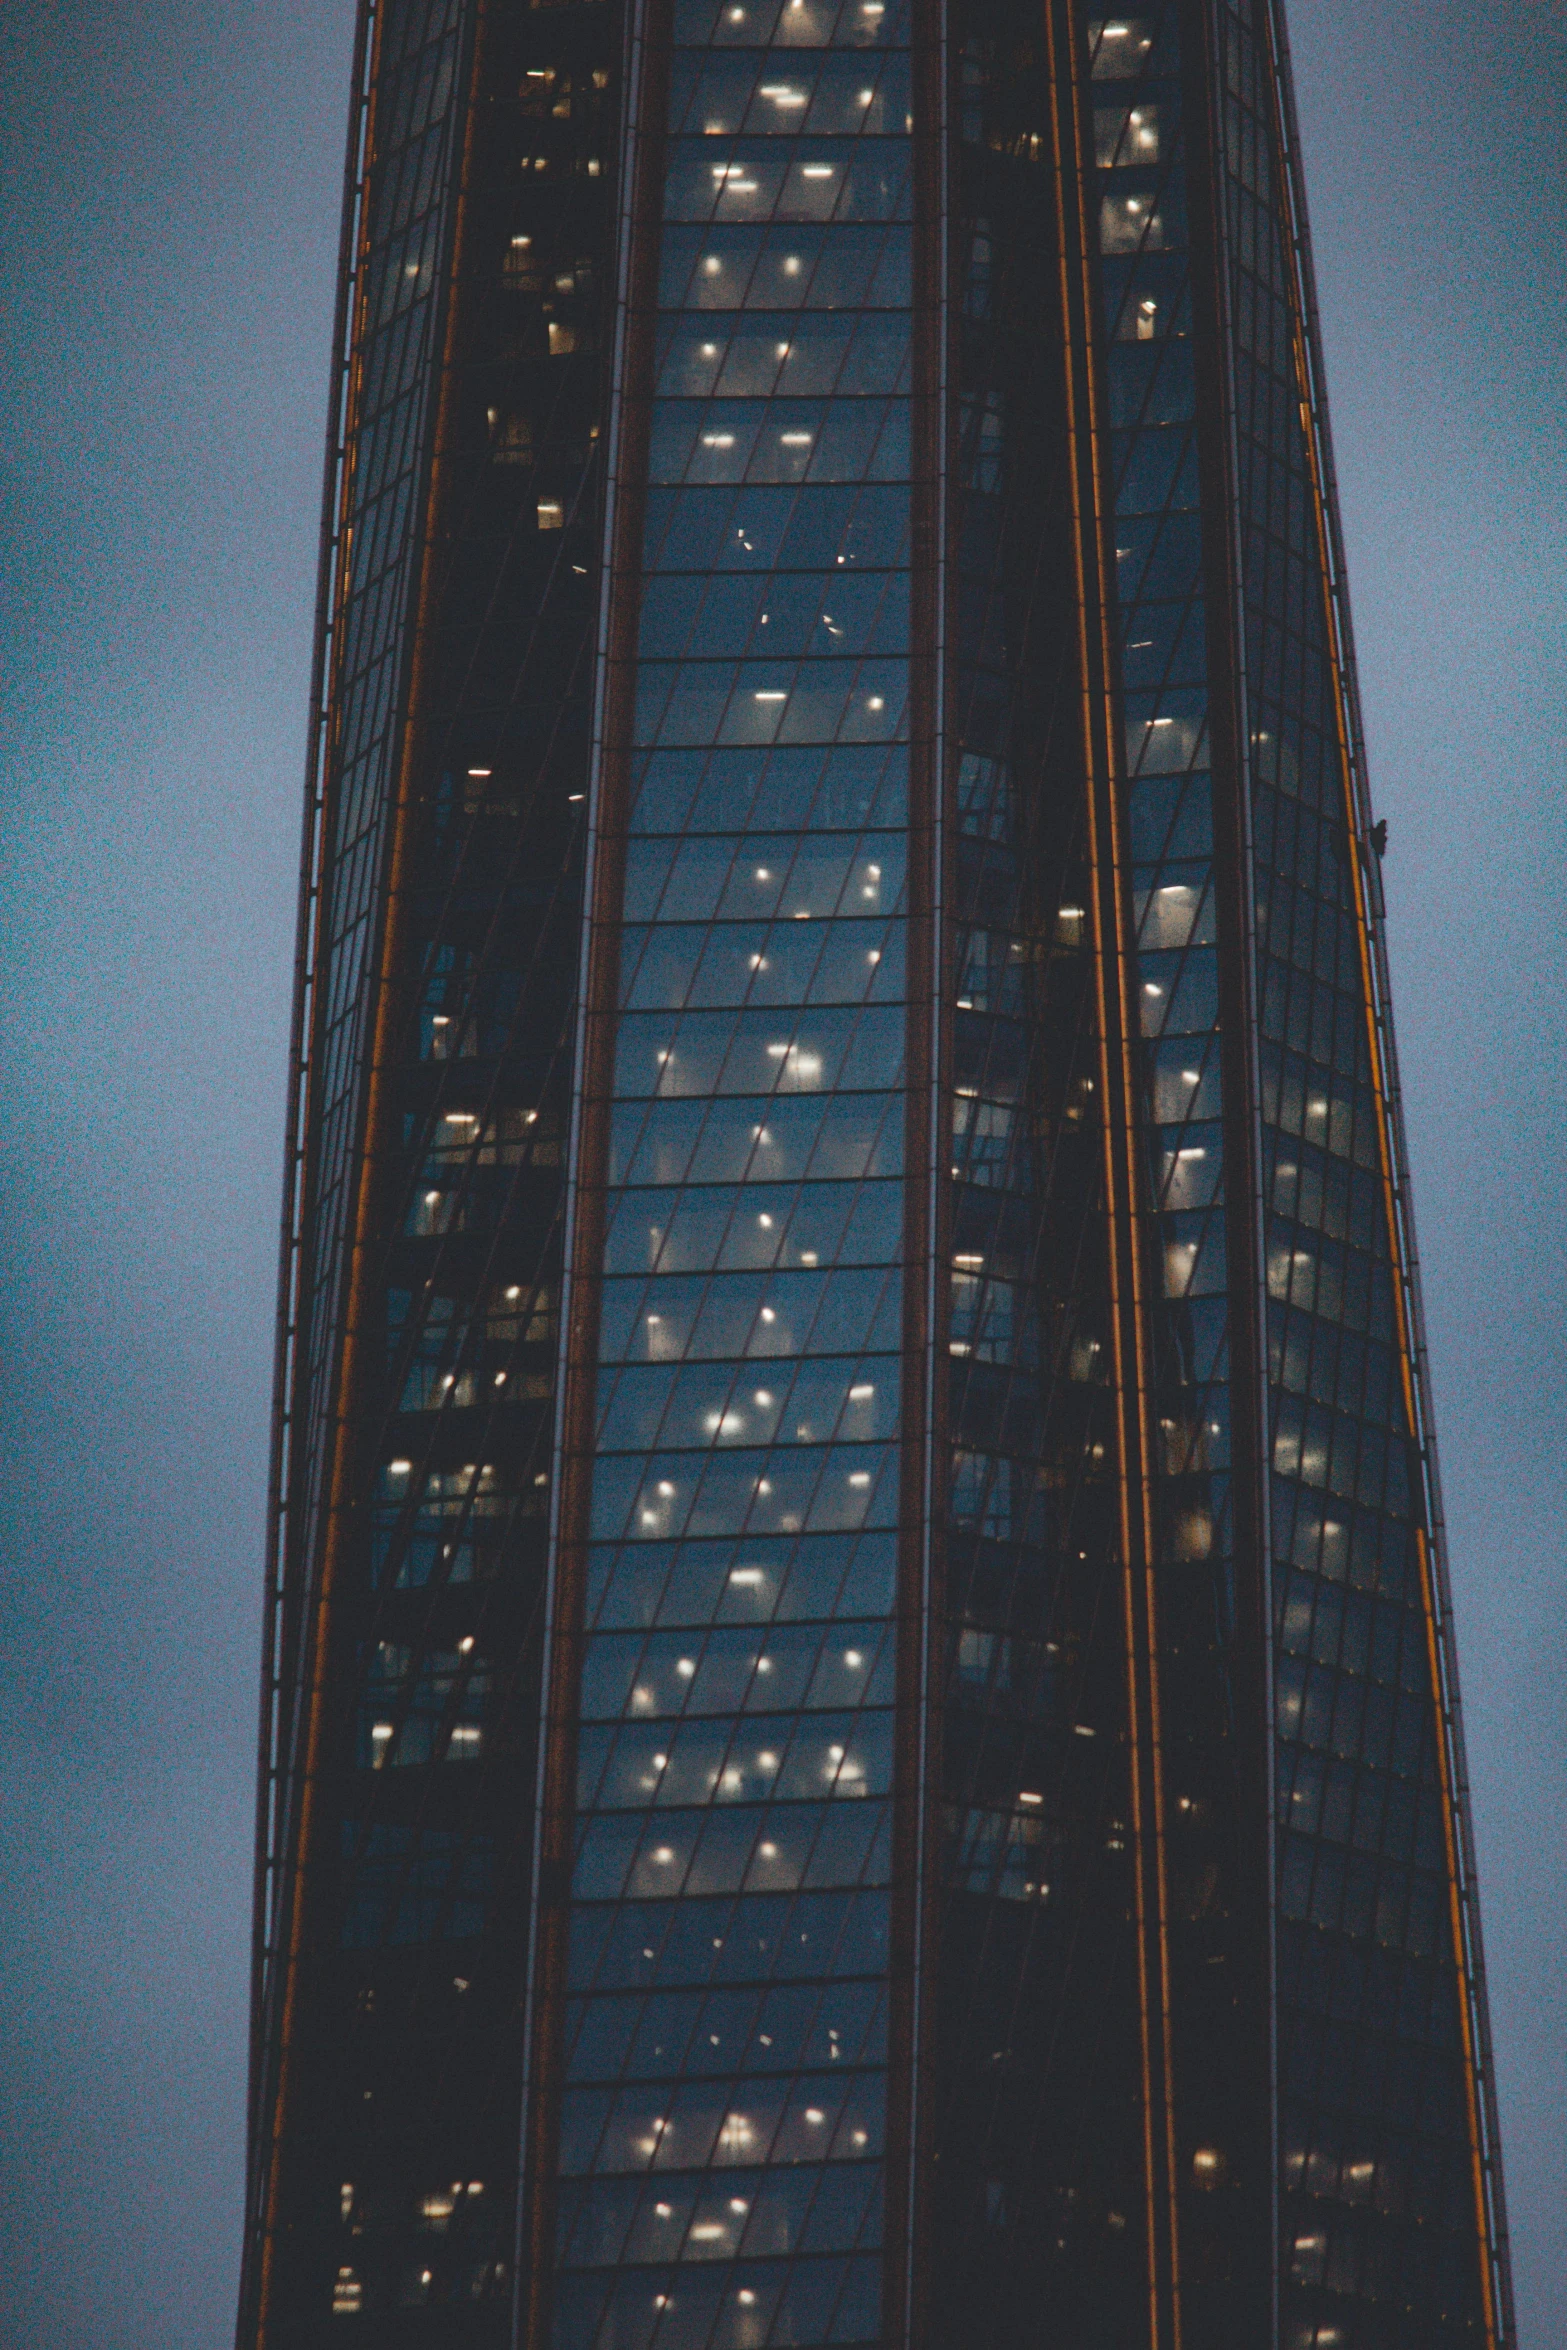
[(1355, 828), (1114, 956)]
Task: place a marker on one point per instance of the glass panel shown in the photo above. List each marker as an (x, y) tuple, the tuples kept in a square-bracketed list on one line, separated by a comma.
[(1376, 2206), (736, 1742)]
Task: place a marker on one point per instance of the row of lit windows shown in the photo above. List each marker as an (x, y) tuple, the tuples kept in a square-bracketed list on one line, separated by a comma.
[(460, 1335), (748, 1771)]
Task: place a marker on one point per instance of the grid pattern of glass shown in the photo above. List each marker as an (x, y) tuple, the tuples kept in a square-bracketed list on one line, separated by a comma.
[(1140, 202), (405, 245), (719, 2158), (397, 221), (397, 239), (1036, 2209), (400, 2156), (717, 2178), (1380, 2241)]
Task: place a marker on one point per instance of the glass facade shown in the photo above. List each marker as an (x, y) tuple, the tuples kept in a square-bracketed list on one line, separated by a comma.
[(1039, 2197), (1377, 2015), (860, 1738), (723, 2110), (424, 1245)]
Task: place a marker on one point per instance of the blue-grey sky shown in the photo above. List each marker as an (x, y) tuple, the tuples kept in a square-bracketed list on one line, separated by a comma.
[(168, 202)]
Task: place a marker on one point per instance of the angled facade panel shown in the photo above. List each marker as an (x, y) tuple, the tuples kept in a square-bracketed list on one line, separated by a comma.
[(860, 1740)]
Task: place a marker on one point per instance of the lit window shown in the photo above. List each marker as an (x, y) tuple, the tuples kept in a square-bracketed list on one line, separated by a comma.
[(1118, 47)]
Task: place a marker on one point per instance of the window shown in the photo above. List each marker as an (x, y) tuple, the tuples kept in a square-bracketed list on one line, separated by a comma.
[(1119, 47)]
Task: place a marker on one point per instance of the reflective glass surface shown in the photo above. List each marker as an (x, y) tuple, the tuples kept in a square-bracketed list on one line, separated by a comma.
[(1136, 93), (1379, 2221), (438, 1054), (714, 2104), (410, 125), (1038, 2199), (726, 2043)]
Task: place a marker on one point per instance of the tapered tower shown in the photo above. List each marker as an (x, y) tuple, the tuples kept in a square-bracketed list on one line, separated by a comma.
[(860, 1740)]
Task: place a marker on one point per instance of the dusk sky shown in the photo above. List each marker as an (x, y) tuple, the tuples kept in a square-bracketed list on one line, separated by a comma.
[(171, 177)]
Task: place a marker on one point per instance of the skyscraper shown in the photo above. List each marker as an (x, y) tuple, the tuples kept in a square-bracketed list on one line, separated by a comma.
[(860, 1739)]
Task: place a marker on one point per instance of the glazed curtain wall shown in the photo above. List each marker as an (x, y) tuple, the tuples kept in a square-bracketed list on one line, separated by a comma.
[(453, 788), (1382, 2132), (723, 2105), (404, 126), (646, 1325), (1209, 1679), (397, 238), (1038, 2194), (1383, 2122)]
